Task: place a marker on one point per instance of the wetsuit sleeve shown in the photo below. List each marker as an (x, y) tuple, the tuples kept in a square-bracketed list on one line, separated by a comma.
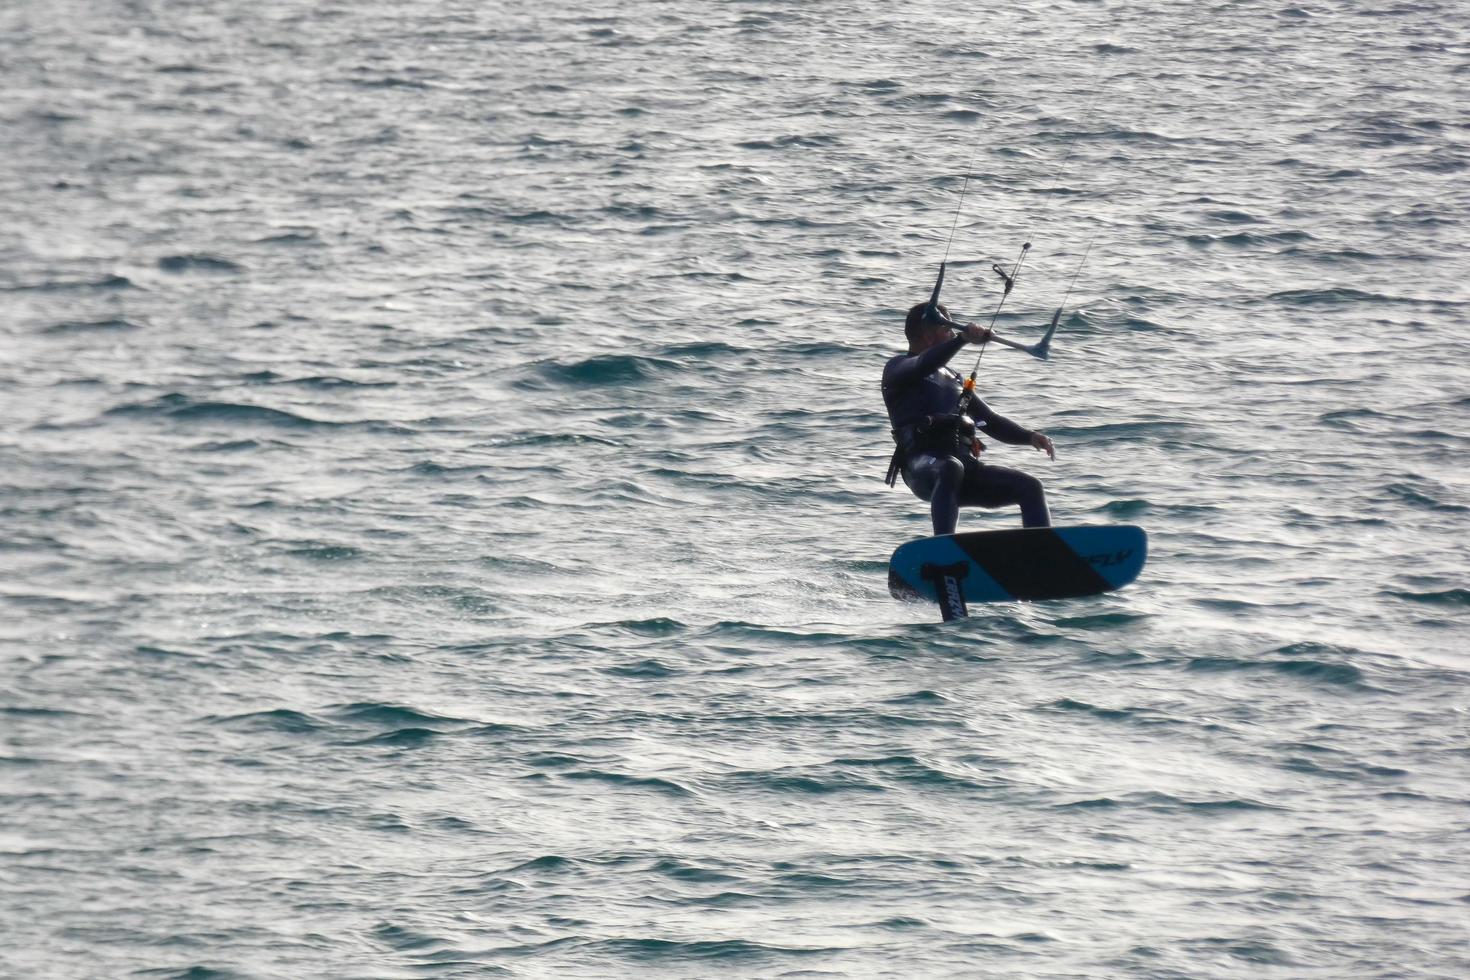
[(998, 425), (906, 370)]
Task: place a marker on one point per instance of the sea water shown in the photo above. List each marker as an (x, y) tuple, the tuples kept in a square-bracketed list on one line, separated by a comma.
[(442, 528)]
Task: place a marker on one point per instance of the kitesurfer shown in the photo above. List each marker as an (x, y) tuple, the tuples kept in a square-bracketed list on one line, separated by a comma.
[(938, 452)]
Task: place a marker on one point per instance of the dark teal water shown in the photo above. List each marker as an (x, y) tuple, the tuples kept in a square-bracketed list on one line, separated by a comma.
[(442, 530)]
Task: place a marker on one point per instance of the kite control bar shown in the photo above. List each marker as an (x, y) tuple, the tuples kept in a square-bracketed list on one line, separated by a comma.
[(1041, 349)]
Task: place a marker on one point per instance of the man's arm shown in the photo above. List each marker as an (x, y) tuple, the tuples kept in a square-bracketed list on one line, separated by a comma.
[(1005, 430), (906, 370)]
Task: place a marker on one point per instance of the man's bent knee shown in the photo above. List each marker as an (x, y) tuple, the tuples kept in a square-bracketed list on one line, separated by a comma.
[(951, 472)]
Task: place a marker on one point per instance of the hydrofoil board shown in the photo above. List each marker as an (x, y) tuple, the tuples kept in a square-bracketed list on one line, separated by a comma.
[(1017, 563)]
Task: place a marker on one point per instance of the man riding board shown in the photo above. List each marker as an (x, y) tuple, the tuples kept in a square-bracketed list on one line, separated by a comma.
[(938, 452)]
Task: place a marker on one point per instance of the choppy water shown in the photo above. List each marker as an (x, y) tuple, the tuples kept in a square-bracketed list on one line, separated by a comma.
[(441, 514)]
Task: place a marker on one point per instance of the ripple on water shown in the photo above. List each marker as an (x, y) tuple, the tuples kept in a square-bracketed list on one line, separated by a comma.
[(111, 325)]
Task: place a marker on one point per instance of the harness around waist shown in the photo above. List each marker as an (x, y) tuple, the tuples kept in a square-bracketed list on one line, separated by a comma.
[(942, 435)]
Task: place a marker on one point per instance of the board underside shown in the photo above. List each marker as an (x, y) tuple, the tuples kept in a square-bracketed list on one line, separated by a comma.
[(1021, 563)]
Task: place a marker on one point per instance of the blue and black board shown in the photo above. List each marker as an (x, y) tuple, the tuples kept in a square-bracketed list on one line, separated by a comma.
[(1017, 563)]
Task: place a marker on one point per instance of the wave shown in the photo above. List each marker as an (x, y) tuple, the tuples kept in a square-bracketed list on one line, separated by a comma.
[(1350, 771), (649, 668), (325, 552), (537, 217), (401, 737), (806, 785), (1164, 802), (1122, 430), (855, 775), (390, 715), (519, 565), (705, 350), (276, 720), (89, 326), (182, 408), (605, 370), (674, 953), (55, 286), (328, 382), (23, 711), (924, 697), (1246, 239), (546, 862), (624, 781), (231, 446), (638, 212), (1122, 509), (431, 468), (404, 940), (552, 439), (1235, 217), (198, 263), (1418, 496), (389, 82), (1116, 620), (908, 769), (1343, 295), (797, 140), (658, 626), (292, 238), (188, 973), (1344, 418), (1307, 668), (1444, 597), (1141, 716), (1340, 254)]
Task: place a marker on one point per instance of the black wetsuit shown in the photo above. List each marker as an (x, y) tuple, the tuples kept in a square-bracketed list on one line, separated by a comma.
[(922, 395)]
